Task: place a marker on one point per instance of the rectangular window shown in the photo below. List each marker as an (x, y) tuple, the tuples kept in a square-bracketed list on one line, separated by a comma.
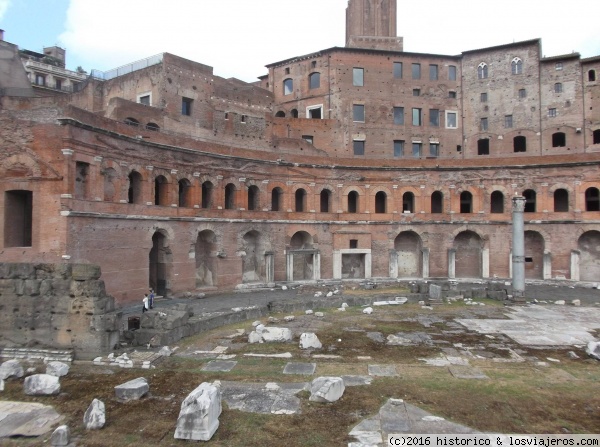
[(452, 94), (451, 120), (416, 149), (359, 147), (18, 212), (558, 88), (558, 66), (416, 117), (552, 112), (59, 84), (508, 121), (399, 115), (483, 124), (186, 106), (40, 79), (416, 92), (308, 138), (433, 72), (416, 71), (358, 113), (434, 117), (483, 97), (398, 70), (288, 86), (144, 100), (353, 243), (398, 148), (434, 149), (522, 93), (452, 73), (358, 77), (314, 112)]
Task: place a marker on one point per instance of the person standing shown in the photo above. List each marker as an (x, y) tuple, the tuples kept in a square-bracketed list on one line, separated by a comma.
[(145, 301), (151, 298)]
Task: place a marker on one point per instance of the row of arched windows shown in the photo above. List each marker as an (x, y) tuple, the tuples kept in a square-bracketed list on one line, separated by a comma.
[(135, 123), (516, 67), (252, 200)]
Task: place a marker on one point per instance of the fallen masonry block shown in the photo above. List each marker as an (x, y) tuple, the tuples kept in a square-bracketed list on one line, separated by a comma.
[(133, 390), (199, 416), (326, 389)]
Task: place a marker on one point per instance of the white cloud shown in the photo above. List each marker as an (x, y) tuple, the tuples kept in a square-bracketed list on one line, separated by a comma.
[(239, 37), (4, 4)]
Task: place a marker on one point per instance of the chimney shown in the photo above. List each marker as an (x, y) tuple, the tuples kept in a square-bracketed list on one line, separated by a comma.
[(1, 34)]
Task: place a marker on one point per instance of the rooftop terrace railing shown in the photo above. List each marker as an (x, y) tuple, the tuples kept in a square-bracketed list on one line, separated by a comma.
[(126, 69)]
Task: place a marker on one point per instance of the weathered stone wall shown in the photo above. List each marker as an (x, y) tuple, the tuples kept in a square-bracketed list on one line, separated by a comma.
[(60, 306)]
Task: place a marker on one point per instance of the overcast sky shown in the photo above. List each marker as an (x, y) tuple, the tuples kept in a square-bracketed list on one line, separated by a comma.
[(239, 37)]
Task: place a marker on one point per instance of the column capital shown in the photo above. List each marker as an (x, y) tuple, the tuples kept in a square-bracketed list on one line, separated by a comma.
[(518, 204)]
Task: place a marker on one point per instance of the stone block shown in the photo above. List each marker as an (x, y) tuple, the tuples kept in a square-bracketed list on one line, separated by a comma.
[(84, 272), (326, 389), (41, 385), (276, 334), (31, 287), (11, 368), (308, 340), (57, 369), (20, 271), (133, 390), (61, 436), (593, 349), (199, 416), (478, 292), (95, 416), (435, 292), (7, 287), (499, 295)]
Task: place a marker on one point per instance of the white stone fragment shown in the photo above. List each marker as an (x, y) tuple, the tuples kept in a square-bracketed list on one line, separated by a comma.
[(560, 302), (165, 351), (368, 310), (61, 436), (256, 323), (308, 312), (254, 337), (344, 305), (318, 294), (550, 359), (432, 419), (276, 334), (319, 314), (95, 416), (41, 385), (57, 369), (11, 368), (421, 303), (199, 416), (284, 288), (260, 328), (289, 318), (309, 340), (329, 294), (133, 390), (576, 303), (272, 386), (326, 389), (593, 349)]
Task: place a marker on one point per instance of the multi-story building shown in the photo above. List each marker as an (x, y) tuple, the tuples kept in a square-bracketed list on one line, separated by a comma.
[(352, 162)]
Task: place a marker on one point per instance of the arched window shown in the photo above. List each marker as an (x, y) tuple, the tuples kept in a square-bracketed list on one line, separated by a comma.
[(561, 201), (516, 66), (276, 199), (152, 126), (591, 75), (185, 196), (294, 113), (280, 114), (207, 192), (483, 146), (380, 202), (314, 80), (559, 139), (437, 202), (596, 137), (131, 122), (520, 143), (408, 202), (497, 202), (161, 191), (530, 199), (230, 196), (134, 193), (352, 202), (325, 199), (482, 71), (592, 199), (466, 202), (288, 86), (300, 200), (253, 196)]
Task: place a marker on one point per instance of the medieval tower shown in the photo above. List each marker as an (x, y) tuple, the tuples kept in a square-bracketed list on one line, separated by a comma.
[(372, 24)]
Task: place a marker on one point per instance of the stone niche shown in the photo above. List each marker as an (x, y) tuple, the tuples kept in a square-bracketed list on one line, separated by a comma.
[(62, 306)]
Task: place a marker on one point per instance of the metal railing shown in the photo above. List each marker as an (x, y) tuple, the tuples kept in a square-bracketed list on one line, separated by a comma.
[(126, 69)]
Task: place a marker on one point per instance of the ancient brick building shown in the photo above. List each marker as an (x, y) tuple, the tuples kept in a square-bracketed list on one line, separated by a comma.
[(352, 162)]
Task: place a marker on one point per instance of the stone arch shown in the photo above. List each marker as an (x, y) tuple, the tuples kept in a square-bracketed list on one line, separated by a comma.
[(184, 193), (252, 252), (468, 255), (302, 262), (253, 197), (301, 240), (206, 250), (588, 245), (534, 254), (230, 196), (161, 190), (20, 166), (545, 235), (408, 246), (135, 182), (160, 260)]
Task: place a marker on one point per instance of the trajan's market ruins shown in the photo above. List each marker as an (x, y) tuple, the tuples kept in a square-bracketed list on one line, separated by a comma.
[(358, 161)]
